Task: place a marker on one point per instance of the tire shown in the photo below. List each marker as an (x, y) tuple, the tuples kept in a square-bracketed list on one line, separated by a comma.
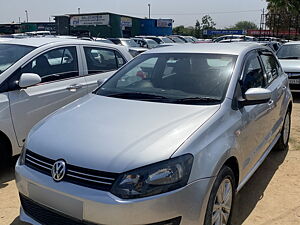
[(283, 142), (215, 210)]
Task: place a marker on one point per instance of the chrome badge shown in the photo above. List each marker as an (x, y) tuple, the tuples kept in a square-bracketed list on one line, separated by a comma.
[(58, 170)]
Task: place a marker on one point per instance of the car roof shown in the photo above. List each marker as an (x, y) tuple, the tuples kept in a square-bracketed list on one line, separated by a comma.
[(214, 48), (40, 41), (292, 43)]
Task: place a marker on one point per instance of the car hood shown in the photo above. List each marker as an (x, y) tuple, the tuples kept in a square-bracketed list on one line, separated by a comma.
[(290, 65), (116, 135)]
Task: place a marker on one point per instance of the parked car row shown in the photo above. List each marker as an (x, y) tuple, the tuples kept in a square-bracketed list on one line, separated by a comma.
[(169, 136), (40, 75)]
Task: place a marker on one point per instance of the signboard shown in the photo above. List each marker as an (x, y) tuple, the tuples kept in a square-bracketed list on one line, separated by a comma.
[(89, 20), (224, 32), (164, 23), (271, 33), (126, 22)]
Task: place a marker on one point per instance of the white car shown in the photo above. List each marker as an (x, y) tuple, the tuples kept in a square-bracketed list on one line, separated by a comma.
[(40, 75)]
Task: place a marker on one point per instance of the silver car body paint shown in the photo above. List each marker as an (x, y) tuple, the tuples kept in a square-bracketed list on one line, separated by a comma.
[(92, 133)]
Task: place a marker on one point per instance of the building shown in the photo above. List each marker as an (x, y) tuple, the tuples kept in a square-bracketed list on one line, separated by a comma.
[(10, 28), (107, 24), (38, 26)]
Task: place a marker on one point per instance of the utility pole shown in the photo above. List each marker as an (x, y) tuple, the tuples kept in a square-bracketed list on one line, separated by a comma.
[(149, 5), (26, 12)]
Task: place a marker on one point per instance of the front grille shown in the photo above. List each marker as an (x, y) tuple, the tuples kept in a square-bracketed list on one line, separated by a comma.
[(47, 216), (74, 174)]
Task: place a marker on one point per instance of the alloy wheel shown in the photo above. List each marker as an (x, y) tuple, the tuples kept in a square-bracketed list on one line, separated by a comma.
[(223, 203)]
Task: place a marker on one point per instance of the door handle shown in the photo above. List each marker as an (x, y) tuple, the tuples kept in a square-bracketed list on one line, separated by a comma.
[(74, 87)]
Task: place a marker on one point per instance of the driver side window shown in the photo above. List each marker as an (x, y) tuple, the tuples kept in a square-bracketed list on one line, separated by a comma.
[(253, 75), (54, 65)]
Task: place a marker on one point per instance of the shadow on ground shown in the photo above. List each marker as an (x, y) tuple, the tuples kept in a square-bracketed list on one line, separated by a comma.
[(7, 173), (18, 222), (296, 97), (254, 189)]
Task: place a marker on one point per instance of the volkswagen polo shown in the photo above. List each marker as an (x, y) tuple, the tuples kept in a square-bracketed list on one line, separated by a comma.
[(168, 140)]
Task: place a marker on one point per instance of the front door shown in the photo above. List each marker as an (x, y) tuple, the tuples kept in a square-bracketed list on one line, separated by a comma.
[(61, 84), (256, 119)]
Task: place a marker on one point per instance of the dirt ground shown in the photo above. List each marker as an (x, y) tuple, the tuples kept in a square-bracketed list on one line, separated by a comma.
[(271, 197)]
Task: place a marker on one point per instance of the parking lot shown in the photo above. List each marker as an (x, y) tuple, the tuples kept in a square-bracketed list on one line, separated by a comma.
[(270, 197)]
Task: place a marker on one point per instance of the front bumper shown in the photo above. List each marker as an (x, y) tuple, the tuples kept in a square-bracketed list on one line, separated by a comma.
[(99, 207)]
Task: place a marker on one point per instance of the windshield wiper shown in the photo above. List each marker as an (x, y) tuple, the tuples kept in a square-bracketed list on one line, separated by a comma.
[(138, 96), (197, 100), (290, 57)]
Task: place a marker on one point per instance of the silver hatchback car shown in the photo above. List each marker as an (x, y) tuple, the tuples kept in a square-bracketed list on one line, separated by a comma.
[(168, 140)]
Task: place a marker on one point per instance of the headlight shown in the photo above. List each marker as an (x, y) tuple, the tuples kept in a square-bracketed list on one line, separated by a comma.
[(22, 156), (154, 179)]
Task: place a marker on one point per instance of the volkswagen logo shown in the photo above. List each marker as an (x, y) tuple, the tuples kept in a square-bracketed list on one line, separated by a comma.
[(58, 170)]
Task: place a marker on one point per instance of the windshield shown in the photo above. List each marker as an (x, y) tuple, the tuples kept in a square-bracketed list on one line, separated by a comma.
[(167, 40), (10, 54), (289, 52), (177, 40), (188, 39), (151, 43), (130, 43), (181, 78)]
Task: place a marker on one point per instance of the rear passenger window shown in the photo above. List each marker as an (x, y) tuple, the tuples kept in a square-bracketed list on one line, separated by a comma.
[(271, 66), (102, 60), (253, 76)]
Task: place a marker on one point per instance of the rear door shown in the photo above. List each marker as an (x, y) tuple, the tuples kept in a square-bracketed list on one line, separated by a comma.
[(61, 84), (100, 64)]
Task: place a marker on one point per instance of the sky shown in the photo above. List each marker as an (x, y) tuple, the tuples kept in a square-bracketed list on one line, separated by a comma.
[(185, 12)]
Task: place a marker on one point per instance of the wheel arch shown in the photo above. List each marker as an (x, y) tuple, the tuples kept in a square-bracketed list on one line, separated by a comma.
[(233, 164)]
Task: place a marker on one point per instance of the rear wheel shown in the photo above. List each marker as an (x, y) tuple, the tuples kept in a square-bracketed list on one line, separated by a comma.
[(221, 199), (283, 141)]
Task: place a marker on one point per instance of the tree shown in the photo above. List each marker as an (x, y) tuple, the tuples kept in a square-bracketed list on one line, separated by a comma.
[(197, 31), (207, 23), (244, 25), (181, 30), (291, 6), (283, 14)]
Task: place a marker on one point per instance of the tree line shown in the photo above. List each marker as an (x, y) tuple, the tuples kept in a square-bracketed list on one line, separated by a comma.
[(207, 23)]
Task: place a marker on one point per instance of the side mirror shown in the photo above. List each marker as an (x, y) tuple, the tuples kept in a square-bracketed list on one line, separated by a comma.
[(255, 96), (29, 79)]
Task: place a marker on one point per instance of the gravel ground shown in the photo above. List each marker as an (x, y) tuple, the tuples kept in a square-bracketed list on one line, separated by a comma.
[(270, 197)]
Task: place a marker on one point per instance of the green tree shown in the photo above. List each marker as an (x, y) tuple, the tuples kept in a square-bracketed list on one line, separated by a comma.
[(244, 25), (197, 29), (284, 14), (181, 30), (207, 23), (291, 6)]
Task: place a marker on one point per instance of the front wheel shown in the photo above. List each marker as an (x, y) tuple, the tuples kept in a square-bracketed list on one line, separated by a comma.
[(219, 208)]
